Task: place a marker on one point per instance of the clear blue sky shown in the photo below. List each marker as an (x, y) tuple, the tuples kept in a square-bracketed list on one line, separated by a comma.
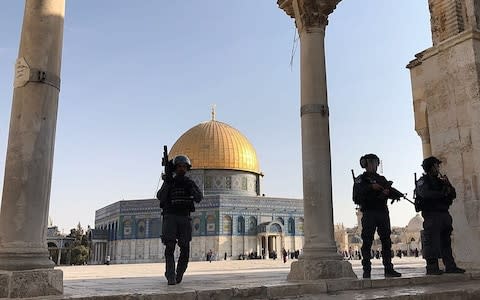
[(135, 76)]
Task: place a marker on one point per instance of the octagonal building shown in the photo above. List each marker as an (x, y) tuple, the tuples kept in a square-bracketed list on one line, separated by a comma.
[(234, 220)]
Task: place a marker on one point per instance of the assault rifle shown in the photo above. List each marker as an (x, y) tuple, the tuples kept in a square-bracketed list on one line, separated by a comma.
[(167, 175), (394, 194)]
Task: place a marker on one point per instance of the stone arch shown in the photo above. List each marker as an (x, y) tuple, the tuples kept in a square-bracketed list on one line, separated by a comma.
[(280, 220)]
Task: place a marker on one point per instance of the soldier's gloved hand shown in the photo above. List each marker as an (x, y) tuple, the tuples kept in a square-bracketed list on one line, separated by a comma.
[(376, 187), (386, 192)]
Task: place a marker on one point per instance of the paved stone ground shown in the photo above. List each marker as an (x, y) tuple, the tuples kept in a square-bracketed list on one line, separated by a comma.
[(255, 279)]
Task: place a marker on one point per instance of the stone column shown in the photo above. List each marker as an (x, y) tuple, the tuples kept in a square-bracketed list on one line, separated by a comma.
[(28, 167), (320, 258)]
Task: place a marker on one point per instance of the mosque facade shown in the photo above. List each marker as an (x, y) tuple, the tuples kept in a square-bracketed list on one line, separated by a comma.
[(233, 221)]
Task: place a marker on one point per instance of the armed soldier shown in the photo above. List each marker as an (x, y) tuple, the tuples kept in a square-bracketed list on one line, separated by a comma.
[(371, 192), (435, 194), (177, 196)]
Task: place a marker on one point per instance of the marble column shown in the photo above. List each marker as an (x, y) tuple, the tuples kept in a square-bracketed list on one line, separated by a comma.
[(28, 167), (320, 258)]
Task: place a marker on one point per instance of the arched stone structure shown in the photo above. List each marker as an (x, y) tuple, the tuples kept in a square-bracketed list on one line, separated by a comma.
[(446, 101)]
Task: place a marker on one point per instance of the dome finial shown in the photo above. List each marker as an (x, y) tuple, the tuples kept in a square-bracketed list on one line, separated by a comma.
[(213, 112)]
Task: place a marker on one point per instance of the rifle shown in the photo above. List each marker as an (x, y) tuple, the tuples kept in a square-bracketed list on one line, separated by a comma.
[(394, 194), (167, 175)]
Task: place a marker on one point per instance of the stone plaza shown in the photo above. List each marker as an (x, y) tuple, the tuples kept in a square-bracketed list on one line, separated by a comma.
[(263, 279)]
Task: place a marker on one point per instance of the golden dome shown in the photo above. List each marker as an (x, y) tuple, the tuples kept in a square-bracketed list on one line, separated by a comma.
[(216, 145)]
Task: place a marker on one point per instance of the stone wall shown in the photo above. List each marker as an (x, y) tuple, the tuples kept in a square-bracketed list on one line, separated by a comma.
[(446, 95)]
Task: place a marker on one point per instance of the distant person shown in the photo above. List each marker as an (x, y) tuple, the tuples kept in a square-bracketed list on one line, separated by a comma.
[(371, 192), (285, 255), (107, 260), (209, 255), (225, 256), (177, 196), (435, 194)]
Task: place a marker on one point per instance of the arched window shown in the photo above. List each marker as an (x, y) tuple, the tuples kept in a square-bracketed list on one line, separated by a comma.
[(127, 229), (291, 226), (141, 229), (196, 226), (241, 225), (275, 228), (300, 226), (227, 225), (155, 228), (252, 225), (210, 225)]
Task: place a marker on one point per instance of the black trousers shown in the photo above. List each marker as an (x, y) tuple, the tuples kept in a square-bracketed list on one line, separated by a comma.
[(376, 220), (437, 242), (176, 229)]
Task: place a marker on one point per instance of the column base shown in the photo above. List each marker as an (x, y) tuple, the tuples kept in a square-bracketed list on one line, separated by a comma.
[(31, 283), (16, 260), (308, 269)]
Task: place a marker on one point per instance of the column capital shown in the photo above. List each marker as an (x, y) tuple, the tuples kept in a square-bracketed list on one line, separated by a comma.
[(308, 13)]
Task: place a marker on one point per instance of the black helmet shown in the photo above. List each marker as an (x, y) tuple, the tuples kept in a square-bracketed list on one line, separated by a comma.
[(428, 163), (363, 159), (182, 159)]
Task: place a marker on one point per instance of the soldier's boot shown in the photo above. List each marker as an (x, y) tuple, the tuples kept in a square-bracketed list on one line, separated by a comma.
[(432, 267), (454, 269), (450, 265), (388, 267), (390, 272), (367, 268)]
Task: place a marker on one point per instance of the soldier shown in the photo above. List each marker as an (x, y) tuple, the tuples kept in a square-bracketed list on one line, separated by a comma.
[(177, 196), (371, 192), (435, 194)]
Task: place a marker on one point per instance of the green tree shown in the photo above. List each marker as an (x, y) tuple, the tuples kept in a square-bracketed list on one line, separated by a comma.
[(79, 254)]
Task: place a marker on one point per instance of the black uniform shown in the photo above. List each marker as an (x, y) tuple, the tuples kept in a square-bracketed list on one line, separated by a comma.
[(177, 197), (434, 197), (373, 205)]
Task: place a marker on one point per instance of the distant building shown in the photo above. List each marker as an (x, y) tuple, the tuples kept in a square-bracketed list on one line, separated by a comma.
[(233, 220), (406, 239), (59, 245)]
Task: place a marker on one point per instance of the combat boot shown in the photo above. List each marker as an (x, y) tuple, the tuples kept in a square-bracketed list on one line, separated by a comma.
[(170, 279), (179, 277), (432, 267), (392, 273), (455, 270)]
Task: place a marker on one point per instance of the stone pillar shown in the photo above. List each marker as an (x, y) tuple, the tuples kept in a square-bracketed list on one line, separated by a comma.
[(320, 258), (28, 167)]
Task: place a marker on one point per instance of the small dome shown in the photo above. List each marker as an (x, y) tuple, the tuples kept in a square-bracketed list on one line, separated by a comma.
[(216, 145), (415, 224)]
